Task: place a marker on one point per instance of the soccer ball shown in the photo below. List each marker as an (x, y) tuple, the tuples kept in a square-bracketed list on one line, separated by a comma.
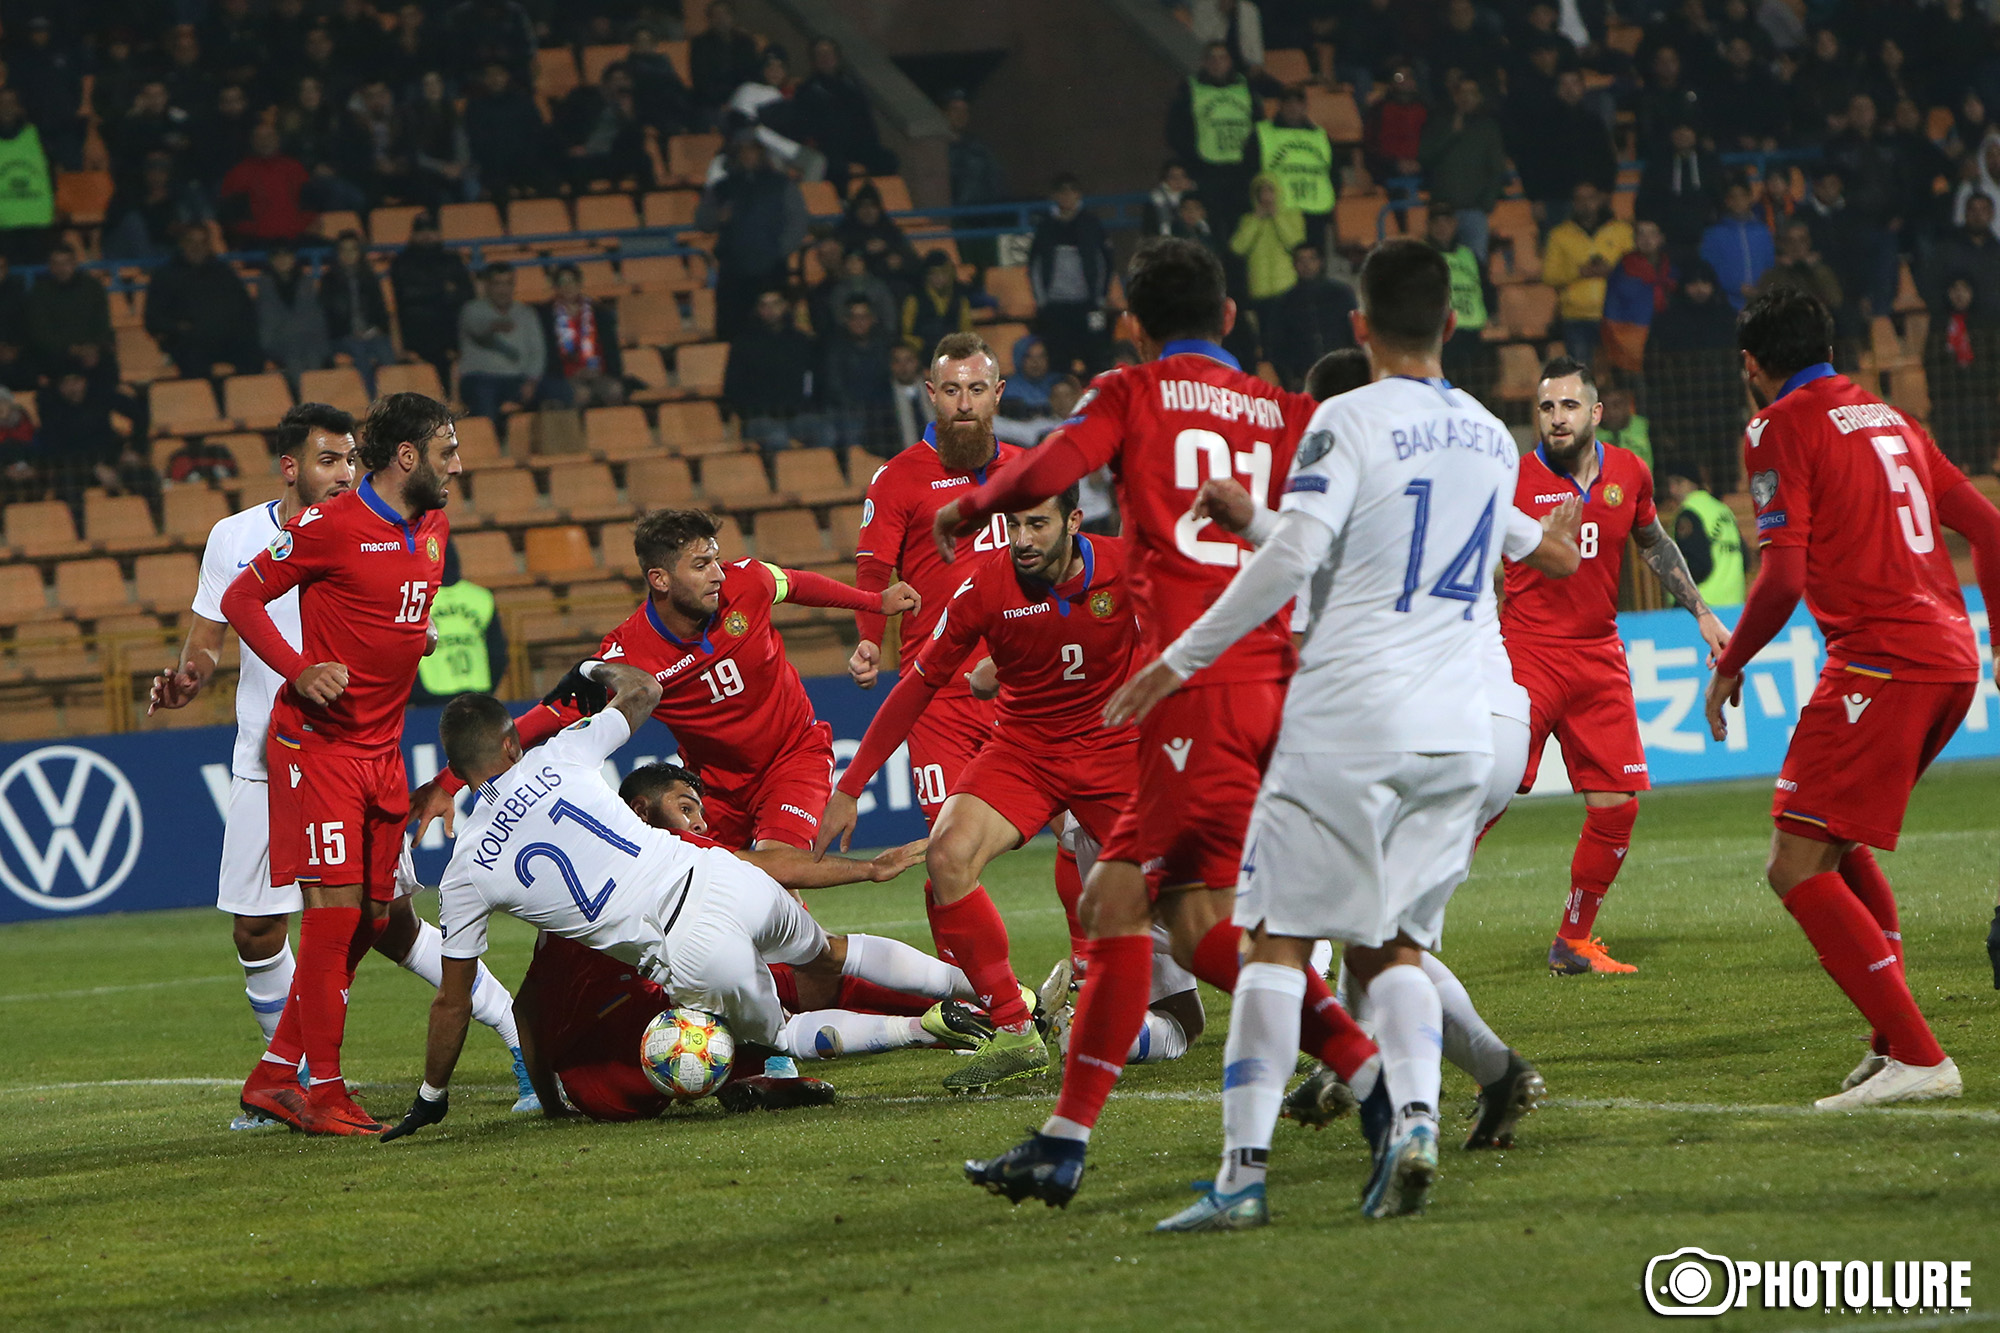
[(686, 1053)]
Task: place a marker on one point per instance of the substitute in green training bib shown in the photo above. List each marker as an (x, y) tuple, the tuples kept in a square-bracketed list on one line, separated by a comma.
[(1709, 538), (1299, 156), (471, 652)]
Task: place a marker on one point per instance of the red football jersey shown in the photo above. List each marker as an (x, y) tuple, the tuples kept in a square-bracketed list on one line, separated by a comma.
[(903, 496), (1834, 469), (730, 698), (590, 1011), (365, 581), (1584, 606), (1166, 427), (1061, 652)]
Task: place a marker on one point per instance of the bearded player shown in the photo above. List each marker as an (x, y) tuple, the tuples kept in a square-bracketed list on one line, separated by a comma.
[(1849, 496), (1188, 414), (1562, 637), (1055, 614), (366, 563)]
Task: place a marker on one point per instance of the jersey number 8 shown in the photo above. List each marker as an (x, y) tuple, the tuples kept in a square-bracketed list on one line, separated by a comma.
[(1191, 449)]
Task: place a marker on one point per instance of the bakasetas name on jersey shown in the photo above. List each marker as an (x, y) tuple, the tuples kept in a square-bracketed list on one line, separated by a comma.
[(1229, 404)]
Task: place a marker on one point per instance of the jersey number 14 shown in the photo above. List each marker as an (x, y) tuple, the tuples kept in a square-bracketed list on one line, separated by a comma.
[(1463, 577)]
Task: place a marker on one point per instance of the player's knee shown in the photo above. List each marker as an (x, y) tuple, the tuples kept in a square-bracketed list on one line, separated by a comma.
[(259, 937), (952, 858)]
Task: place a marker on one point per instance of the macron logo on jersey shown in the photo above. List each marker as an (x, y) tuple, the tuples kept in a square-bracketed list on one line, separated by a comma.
[(1857, 704), (1021, 612), (381, 546), (950, 482), (616, 650), (310, 517), (1755, 430), (1177, 752)]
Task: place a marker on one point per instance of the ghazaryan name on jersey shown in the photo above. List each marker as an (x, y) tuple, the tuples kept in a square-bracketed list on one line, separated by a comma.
[(1229, 404), (494, 840), (1452, 433), (1860, 416)]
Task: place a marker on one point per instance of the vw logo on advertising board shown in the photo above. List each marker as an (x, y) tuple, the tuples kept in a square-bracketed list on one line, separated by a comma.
[(73, 828)]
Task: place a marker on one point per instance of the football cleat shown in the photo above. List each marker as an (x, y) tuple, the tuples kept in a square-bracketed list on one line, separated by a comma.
[(247, 1120), (1870, 1066), (1404, 1170), (1036, 1009), (1898, 1082), (1378, 1117), (1240, 1211), (758, 1093), (1573, 958), (527, 1101), (1319, 1101), (1503, 1102), (958, 1025), (1042, 1167), (1006, 1056), (329, 1110), (1057, 998), (272, 1092)]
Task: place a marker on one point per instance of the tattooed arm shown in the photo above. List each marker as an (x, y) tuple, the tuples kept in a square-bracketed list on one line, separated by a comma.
[(1660, 552)]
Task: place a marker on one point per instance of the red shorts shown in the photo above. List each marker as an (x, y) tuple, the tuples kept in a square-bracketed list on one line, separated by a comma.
[(1583, 693), (942, 742), (589, 1012), (1202, 754), (1860, 746), (1030, 786), (336, 818), (781, 804)]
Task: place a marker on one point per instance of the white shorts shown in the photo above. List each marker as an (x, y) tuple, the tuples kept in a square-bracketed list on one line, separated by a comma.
[(244, 886), (1360, 847), (1510, 761), (716, 955)]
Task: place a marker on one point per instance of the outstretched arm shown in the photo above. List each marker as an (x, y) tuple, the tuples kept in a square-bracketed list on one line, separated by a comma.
[(795, 868), (451, 1012), (1780, 584), (1659, 551), (802, 587)]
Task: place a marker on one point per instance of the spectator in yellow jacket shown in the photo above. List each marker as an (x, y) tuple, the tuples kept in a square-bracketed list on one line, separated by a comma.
[(1578, 257), (1264, 240)]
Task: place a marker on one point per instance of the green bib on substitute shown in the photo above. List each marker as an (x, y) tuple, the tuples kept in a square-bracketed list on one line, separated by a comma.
[(27, 199), (1468, 298), (1300, 159), (461, 611), (1724, 584), (1222, 120)]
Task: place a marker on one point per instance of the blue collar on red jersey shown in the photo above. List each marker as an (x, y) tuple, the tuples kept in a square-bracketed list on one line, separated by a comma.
[(930, 438), (1200, 347), (1089, 576), (1584, 492), (660, 628), (366, 490), (1818, 371)]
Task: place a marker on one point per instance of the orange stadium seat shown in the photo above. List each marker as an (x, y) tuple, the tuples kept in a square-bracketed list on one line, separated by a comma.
[(82, 196), (813, 477), (470, 222), (645, 365), (533, 283), (789, 537), (843, 526), (597, 59), (1010, 287), (537, 217), (411, 377), (584, 492), (670, 208), (700, 366), (140, 359), (659, 482), (619, 558), (507, 497), (487, 558), (53, 651), (89, 588), (521, 435), (555, 73), (617, 432), (256, 402), (252, 454), (1527, 309), (1335, 112), (165, 582), (39, 529), (1520, 373), (658, 273), (185, 407), (688, 156), (678, 53), (606, 212), (340, 386), (736, 481), (600, 279), (560, 553), (1289, 66), (729, 539), (256, 490), (119, 524), (390, 225), (188, 512), (693, 429), (895, 193), (22, 595), (336, 221), (649, 317), (822, 200), (479, 445)]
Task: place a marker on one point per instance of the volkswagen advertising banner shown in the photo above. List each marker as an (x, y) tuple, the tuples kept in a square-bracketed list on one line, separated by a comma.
[(134, 822)]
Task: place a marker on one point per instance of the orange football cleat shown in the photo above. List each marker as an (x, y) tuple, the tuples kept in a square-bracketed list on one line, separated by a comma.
[(329, 1110), (1571, 958), (273, 1090)]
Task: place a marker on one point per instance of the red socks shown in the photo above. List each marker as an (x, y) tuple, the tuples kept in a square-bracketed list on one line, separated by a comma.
[(287, 1045), (1110, 1010), (937, 931), (1069, 888), (328, 938), (1325, 1030), (1607, 833), (1852, 950), (1867, 882), (1218, 957), (971, 934), (865, 997)]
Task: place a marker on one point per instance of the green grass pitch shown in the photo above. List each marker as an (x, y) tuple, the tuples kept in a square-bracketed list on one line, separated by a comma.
[(1676, 1120)]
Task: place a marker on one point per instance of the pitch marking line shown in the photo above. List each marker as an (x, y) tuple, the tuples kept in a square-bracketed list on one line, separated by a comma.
[(115, 990)]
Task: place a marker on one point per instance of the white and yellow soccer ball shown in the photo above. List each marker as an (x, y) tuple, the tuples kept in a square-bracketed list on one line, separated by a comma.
[(686, 1053)]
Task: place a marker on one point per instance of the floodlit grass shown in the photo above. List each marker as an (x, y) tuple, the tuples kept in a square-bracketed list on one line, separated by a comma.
[(1677, 1120)]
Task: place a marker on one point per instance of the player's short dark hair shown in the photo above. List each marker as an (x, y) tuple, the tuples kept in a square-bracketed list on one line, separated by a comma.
[(297, 426), (472, 730), (1176, 290), (649, 782), (659, 538), (1561, 367), (1786, 330), (1405, 289), (396, 418), (959, 346), (1071, 497), (1337, 372)]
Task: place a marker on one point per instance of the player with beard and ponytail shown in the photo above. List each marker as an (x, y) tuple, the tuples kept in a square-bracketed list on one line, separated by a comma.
[(366, 564), (1187, 415)]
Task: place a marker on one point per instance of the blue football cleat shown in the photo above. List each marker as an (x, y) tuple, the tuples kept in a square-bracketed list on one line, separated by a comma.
[(1404, 1171), (780, 1066), (528, 1102), (1240, 1211), (1044, 1167)]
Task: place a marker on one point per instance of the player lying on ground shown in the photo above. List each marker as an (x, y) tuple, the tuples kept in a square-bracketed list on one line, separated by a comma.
[(1509, 1086), (1849, 494), (1562, 637), (1188, 415), (1054, 612), (551, 843)]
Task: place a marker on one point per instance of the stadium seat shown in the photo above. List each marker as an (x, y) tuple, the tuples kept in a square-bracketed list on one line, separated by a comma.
[(729, 539), (340, 386), (658, 482), (22, 596), (120, 524), (188, 512), (1335, 112), (843, 528), (645, 365), (1520, 373), (165, 583), (585, 492), (693, 429), (670, 208), (90, 588), (555, 73), (256, 402), (185, 407), (649, 318), (411, 377), (822, 200), (1288, 66), (390, 225), (617, 432), (597, 59), (82, 196), (53, 651), (1910, 390), (478, 221), (600, 279), (140, 360), (813, 477), (662, 273), (619, 558), (606, 212), (895, 193), (41, 529), (533, 283), (538, 217), (701, 314), (1527, 309), (736, 481), (507, 497), (487, 558), (789, 537), (520, 428), (688, 156), (677, 52), (479, 445), (250, 491), (336, 221), (1009, 286), (700, 367), (560, 553)]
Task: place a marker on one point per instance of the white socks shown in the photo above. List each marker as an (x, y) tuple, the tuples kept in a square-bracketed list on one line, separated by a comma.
[(492, 1003), (1408, 1022), (828, 1034), (267, 981), (1468, 1042), (902, 967), (1256, 1061)]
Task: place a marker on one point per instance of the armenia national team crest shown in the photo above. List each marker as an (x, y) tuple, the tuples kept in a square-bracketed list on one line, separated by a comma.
[(431, 547), (1614, 495), (1103, 604), (734, 624)]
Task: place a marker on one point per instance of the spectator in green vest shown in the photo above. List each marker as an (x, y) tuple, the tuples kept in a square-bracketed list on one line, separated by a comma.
[(27, 192), (1207, 124), (471, 652), (1622, 424), (1710, 540), (1299, 155), (1469, 360), (1264, 241)]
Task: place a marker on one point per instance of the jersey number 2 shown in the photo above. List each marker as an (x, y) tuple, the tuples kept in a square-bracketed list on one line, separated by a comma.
[(591, 907), (1462, 578), (1203, 455), (1918, 534)]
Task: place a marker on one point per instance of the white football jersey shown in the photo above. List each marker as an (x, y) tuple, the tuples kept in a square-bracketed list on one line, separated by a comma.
[(549, 841), (1503, 693), (1416, 481), (232, 545)]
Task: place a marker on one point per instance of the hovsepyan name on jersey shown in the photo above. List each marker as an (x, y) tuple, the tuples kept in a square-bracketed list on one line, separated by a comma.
[(1229, 404), (511, 810), (1452, 433)]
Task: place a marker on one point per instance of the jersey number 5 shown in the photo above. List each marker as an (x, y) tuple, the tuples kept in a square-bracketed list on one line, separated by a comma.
[(1192, 450), (1918, 534)]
